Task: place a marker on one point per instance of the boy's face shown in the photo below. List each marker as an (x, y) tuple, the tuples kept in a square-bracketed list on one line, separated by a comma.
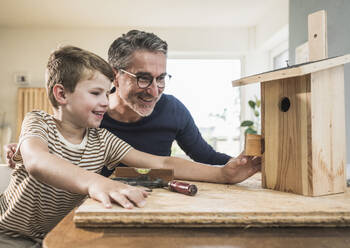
[(87, 104)]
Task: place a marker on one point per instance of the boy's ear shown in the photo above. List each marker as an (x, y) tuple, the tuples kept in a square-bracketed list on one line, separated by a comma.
[(59, 94)]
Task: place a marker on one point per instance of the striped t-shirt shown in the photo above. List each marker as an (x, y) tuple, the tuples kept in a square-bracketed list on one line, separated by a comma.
[(31, 208)]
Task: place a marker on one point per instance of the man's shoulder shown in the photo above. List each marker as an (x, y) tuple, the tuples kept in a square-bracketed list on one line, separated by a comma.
[(170, 101)]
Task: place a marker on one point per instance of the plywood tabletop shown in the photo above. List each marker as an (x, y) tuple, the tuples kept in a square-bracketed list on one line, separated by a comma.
[(216, 205)]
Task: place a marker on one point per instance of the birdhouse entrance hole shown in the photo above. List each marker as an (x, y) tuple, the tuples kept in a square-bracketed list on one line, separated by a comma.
[(284, 104)]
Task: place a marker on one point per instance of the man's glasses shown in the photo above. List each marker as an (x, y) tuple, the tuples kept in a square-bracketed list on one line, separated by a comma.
[(145, 80)]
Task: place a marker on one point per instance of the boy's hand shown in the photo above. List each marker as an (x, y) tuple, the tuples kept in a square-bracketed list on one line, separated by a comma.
[(10, 150), (240, 168), (107, 190)]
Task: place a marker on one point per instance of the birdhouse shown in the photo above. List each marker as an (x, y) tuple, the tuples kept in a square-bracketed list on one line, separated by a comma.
[(303, 120)]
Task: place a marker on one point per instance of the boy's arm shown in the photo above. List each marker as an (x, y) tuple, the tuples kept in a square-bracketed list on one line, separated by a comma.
[(57, 172), (236, 169)]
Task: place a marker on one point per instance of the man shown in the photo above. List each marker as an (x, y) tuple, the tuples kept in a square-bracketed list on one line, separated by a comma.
[(139, 112)]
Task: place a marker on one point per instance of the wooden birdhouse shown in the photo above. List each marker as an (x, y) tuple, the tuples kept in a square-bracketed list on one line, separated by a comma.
[(303, 120)]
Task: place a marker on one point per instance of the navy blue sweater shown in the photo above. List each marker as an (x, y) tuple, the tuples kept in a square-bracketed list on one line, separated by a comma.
[(169, 121)]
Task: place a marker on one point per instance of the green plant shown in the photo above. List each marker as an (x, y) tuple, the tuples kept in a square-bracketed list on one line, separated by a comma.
[(252, 126)]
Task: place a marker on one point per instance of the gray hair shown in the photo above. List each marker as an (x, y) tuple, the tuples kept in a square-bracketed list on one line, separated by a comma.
[(121, 50)]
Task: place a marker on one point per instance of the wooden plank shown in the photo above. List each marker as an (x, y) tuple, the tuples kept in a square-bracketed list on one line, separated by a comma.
[(328, 131), (262, 95), (219, 205), (317, 32), (286, 159), (293, 71), (66, 234)]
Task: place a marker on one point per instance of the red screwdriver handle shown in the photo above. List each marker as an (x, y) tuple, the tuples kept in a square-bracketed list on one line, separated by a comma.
[(183, 188)]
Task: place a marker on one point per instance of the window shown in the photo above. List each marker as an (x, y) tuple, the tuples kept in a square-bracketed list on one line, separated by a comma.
[(204, 86), (280, 60)]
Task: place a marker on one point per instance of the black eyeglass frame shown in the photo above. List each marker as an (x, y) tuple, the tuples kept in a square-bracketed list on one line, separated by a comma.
[(160, 85)]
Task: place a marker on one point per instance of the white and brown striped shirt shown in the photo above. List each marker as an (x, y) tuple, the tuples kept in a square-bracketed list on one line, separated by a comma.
[(31, 208)]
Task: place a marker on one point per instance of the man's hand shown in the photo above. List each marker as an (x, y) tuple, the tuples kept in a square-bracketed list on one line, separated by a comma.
[(240, 168), (106, 190), (10, 150)]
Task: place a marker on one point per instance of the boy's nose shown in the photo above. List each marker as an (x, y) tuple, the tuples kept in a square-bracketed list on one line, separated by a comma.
[(105, 101)]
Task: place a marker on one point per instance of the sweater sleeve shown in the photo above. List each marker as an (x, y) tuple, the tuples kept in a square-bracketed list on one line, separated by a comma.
[(191, 141)]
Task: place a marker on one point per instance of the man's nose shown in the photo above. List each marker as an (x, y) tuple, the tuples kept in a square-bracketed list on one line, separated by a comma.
[(153, 89)]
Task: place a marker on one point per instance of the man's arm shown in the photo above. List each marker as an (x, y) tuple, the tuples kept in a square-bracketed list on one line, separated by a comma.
[(236, 170), (192, 143), (9, 150), (53, 170)]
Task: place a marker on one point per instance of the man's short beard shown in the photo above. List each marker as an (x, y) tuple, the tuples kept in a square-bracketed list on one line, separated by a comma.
[(135, 107)]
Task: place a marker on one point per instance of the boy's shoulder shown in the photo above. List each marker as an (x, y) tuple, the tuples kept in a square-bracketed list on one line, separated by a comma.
[(39, 114), (38, 117), (100, 132)]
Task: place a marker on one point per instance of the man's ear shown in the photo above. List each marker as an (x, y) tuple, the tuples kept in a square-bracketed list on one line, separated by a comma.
[(59, 94), (116, 77)]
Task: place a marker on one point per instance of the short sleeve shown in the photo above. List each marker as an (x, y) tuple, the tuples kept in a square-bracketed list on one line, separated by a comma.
[(33, 125), (116, 149)]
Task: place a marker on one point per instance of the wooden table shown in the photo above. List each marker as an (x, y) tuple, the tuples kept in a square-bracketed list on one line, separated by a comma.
[(65, 234)]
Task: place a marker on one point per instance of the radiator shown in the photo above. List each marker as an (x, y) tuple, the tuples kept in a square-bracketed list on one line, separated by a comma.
[(31, 99)]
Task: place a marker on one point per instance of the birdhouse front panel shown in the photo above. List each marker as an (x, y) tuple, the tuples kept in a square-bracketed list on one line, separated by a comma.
[(287, 134)]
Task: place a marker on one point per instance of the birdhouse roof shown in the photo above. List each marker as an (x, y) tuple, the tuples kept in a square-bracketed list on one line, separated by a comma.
[(293, 71)]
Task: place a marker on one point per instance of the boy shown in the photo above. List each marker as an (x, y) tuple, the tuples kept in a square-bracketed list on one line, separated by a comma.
[(59, 157)]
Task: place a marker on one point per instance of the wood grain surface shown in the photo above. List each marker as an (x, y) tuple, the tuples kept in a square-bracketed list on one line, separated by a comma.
[(328, 131), (218, 205), (287, 135)]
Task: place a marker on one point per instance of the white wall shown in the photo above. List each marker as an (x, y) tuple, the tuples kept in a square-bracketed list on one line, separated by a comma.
[(271, 34), (27, 50), (5, 173)]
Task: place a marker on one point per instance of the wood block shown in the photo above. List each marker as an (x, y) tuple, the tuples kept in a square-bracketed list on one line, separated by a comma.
[(253, 145)]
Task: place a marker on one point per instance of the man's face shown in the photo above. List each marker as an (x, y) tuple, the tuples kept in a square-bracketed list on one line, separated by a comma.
[(141, 101)]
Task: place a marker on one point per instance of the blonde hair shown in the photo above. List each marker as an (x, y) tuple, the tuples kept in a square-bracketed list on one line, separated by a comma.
[(68, 65)]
